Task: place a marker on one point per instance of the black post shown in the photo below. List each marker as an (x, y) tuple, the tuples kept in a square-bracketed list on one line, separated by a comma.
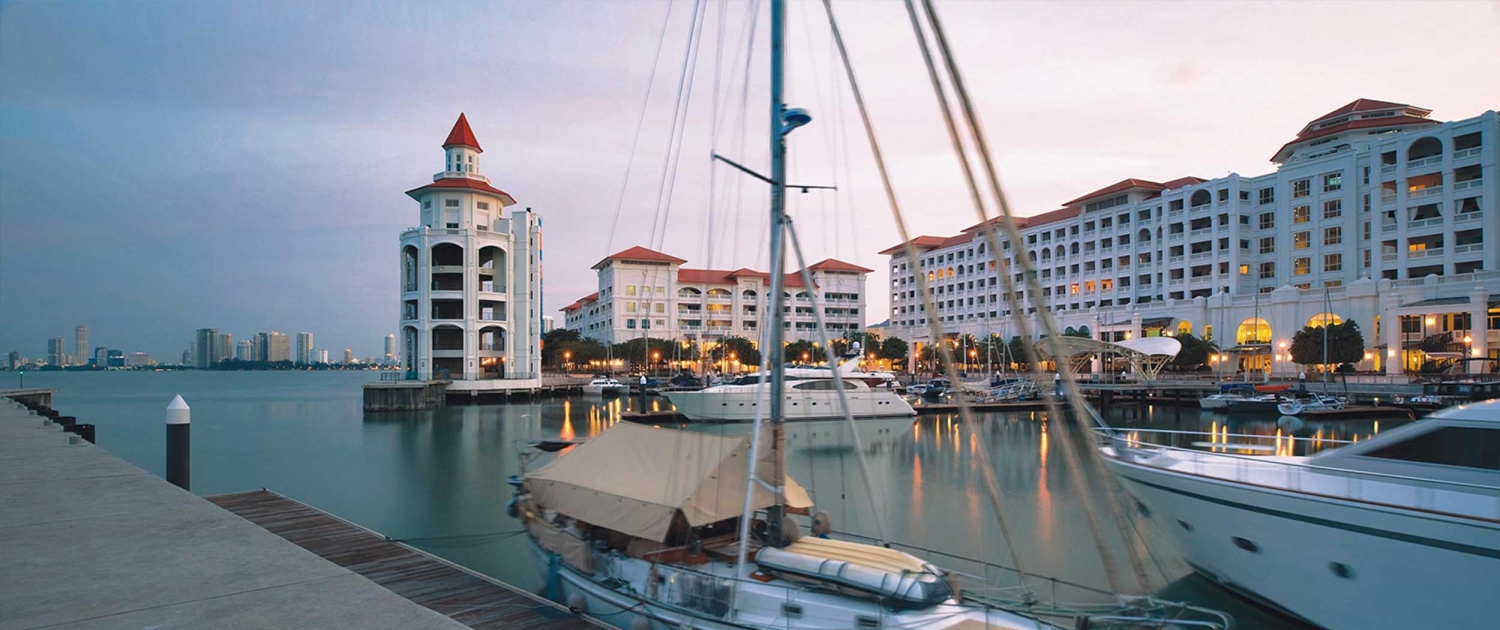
[(643, 393), (179, 444)]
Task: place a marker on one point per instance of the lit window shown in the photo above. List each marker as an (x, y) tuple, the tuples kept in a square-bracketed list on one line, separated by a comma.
[(1301, 188), (1301, 240), (1301, 266), (1333, 262), (1333, 181), (1333, 236), (1301, 214), (1244, 270), (1333, 209), (1267, 221)]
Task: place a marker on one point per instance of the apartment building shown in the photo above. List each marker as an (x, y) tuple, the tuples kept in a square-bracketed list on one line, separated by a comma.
[(1374, 208), (646, 293)]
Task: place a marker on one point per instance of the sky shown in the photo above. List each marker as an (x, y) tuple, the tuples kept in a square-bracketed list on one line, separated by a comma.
[(172, 165)]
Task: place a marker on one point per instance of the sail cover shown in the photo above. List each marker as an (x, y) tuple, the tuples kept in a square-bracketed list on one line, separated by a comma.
[(634, 478)]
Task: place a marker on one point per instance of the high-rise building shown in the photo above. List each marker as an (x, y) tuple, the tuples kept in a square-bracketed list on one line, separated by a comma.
[(187, 355), (390, 348), (242, 350), (115, 359), (470, 282), (348, 356), (139, 359), (258, 346), (205, 348), (304, 347), (278, 347), (548, 323), (14, 360), (320, 355), (57, 352), (81, 344), (224, 347), (100, 358)]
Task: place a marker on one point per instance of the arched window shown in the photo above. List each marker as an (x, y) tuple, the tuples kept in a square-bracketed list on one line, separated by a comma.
[(447, 255), (688, 292), (1323, 319), (1201, 198), (1424, 148), (1144, 236), (748, 294), (719, 293), (1253, 330), (1184, 328)]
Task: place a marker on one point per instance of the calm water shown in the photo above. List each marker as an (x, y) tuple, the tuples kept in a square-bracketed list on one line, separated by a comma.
[(437, 479)]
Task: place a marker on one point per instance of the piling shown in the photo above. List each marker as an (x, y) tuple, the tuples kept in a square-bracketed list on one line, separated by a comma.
[(179, 444)]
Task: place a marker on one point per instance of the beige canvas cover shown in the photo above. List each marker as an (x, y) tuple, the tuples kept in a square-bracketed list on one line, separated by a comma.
[(634, 478)]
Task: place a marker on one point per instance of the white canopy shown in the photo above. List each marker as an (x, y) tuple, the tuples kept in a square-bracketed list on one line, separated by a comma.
[(634, 479)]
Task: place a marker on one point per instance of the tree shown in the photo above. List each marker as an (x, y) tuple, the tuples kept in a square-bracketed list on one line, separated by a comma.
[(732, 349), (1018, 349), (894, 349), (559, 335), (1194, 351), (804, 352), (1345, 344), (579, 352), (868, 341)]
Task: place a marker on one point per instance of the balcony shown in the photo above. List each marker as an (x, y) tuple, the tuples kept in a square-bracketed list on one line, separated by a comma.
[(1175, 214), (1387, 169), (1106, 251), (1465, 185), (1201, 232), (1175, 237), (1424, 192), (1424, 162), (1387, 227), (1176, 283), (1388, 257), (1201, 256), (1435, 252), (1470, 248), (1201, 280), (1199, 209), (1387, 198), (1467, 153), (1416, 225), (1174, 260), (1468, 216)]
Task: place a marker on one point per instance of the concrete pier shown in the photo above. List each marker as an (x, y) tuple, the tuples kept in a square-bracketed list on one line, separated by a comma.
[(405, 395), (90, 541)]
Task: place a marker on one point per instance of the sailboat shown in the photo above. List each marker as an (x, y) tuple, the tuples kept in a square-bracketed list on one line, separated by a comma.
[(660, 528)]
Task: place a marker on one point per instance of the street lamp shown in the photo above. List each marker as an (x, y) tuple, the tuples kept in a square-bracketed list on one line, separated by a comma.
[(567, 361)]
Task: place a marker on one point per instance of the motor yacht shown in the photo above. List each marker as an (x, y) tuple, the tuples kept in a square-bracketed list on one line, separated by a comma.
[(811, 394), (1398, 531), (606, 386)]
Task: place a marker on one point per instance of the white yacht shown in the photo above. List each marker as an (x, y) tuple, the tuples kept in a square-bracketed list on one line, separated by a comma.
[(606, 386), (811, 394), (1398, 531)]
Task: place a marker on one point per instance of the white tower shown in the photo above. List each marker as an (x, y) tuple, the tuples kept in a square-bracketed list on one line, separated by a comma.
[(470, 279)]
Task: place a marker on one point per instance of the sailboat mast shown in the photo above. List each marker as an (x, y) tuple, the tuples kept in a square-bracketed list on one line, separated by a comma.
[(775, 316)]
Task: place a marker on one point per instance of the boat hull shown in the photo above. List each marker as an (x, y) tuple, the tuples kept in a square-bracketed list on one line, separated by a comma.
[(1336, 563), (740, 406)]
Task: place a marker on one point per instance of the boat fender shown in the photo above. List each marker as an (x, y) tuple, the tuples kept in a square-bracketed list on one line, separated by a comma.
[(577, 604), (822, 524), (790, 531)]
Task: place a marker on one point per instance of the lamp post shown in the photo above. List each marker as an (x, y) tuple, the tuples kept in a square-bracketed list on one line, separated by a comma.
[(567, 362)]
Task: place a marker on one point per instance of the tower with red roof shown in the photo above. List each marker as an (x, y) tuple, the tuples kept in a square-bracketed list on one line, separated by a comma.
[(470, 286)]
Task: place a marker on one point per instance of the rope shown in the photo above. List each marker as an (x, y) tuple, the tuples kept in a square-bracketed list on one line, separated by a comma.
[(639, 125), (992, 485), (1070, 450)]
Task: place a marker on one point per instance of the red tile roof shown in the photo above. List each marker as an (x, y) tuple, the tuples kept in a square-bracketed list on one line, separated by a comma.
[(1362, 123), (1121, 186), (831, 264), (462, 135), (1049, 217), (640, 254), (1361, 105), (1182, 182), (705, 276), (468, 184), (592, 297), (919, 242), (746, 271)]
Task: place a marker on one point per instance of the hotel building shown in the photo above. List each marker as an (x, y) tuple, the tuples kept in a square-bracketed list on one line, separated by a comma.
[(1375, 208), (645, 293), (470, 279)]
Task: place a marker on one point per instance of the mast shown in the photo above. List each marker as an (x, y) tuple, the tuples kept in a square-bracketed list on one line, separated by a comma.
[(775, 317)]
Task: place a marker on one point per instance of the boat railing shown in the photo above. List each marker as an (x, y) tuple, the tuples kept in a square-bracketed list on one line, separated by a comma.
[(1265, 460)]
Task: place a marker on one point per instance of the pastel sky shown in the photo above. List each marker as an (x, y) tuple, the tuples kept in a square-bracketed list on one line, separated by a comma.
[(169, 165)]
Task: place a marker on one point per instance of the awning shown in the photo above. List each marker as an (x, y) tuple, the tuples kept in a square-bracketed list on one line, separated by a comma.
[(635, 479), (1156, 322)]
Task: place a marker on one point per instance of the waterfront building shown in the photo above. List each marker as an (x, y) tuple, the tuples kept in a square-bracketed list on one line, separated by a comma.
[(13, 360), (390, 349), (81, 344), (223, 348), (114, 359), (1375, 208), (187, 355), (646, 293), (320, 355), (304, 347), (57, 352), (242, 350), (258, 346), (278, 347), (100, 358), (470, 279), (548, 323), (141, 359), (205, 348)]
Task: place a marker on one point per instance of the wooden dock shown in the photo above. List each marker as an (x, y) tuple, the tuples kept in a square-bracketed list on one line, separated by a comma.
[(466, 597), (1356, 412)]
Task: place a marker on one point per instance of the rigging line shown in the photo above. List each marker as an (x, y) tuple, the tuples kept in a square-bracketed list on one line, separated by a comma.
[(1090, 455), (976, 198), (639, 125), (827, 132), (859, 448), (713, 137), (675, 155), (739, 182), (992, 485), (677, 116)]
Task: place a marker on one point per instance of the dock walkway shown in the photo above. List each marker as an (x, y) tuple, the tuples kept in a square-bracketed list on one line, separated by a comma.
[(466, 597)]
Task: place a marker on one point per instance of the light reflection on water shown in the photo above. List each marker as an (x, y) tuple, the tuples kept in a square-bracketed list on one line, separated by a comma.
[(443, 472)]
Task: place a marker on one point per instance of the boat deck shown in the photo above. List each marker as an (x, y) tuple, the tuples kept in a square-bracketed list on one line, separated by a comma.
[(463, 596)]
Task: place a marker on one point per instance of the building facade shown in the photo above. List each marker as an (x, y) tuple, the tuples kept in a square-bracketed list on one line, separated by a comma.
[(1375, 213), (390, 349), (645, 293), (470, 279), (57, 352), (81, 344), (204, 348), (305, 348)]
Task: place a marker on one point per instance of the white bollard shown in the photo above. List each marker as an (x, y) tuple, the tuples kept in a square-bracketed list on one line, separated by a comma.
[(179, 444)]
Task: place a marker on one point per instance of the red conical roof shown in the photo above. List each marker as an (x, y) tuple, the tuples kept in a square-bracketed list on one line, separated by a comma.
[(462, 135)]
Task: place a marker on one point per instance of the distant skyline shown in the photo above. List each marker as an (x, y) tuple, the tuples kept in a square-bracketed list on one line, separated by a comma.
[(183, 165)]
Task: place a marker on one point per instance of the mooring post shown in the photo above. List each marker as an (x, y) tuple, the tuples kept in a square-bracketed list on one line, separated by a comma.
[(179, 444), (643, 393)]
